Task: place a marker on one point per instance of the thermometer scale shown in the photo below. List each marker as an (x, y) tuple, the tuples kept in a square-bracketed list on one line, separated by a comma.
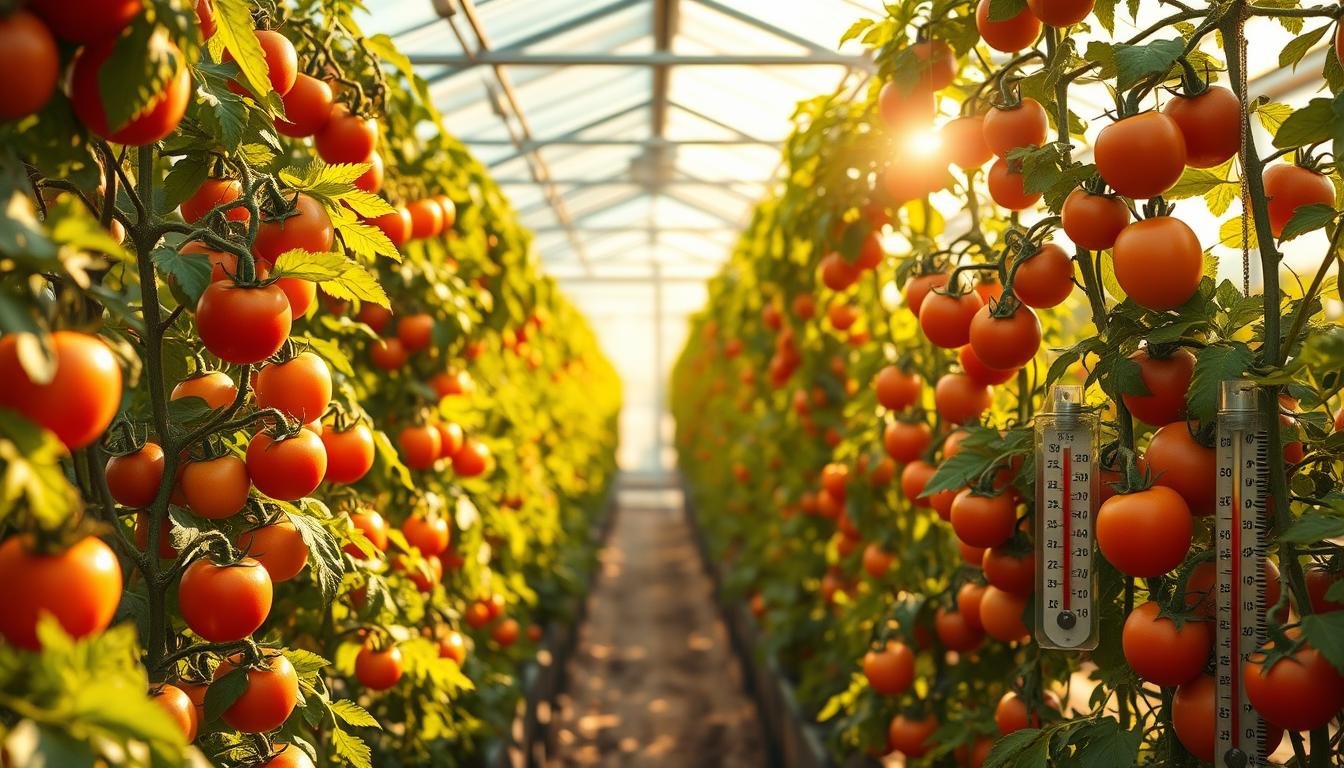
[(1242, 483), (1066, 498)]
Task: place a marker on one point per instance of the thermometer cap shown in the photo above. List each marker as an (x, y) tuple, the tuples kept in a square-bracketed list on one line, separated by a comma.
[(1066, 398), (1238, 396)]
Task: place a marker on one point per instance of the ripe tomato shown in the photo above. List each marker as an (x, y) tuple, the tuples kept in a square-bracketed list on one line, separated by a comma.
[(969, 599), (883, 473), (1008, 35), (964, 142), (918, 288), (82, 397), (1005, 343), (1163, 246), (1001, 614), (426, 574), (1199, 586), (205, 16), (959, 400), (984, 521), (388, 354), (430, 535), (1162, 653), (79, 587), (449, 211), (307, 107), (177, 704), (905, 107), (29, 65), (1022, 125), (372, 180), (472, 460), (87, 21), (426, 218), (240, 324), (1141, 155), (271, 695), (906, 441), (938, 63), (451, 438), (1045, 279), (1167, 380), (454, 647), (1210, 123), (278, 547), (374, 528), (891, 670), (299, 387), (301, 294), (897, 389), (211, 193), (912, 737), (980, 373), (941, 501), (1011, 715), (349, 453), (914, 477), (1301, 692), (1193, 711), (134, 479), (154, 122), (946, 318), (1060, 13), (1183, 465), (419, 446), (876, 561), (288, 756), (955, 632), (1093, 221), (416, 331), (1290, 187), (378, 669), (396, 225), (1007, 186), (836, 273), (307, 227), (224, 603), (1319, 580), (215, 488), (1011, 571), (835, 479), (289, 468), (282, 63), (505, 633), (346, 138), (842, 316), (1145, 533)]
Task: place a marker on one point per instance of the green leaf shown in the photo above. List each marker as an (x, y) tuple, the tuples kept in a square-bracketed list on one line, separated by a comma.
[(1337, 136), (1104, 10), (391, 460), (1136, 63), (1308, 125), (191, 272), (136, 73), (351, 713), (1314, 527), (330, 351), (1325, 633), (1229, 232), (365, 239), (1308, 218), (31, 475), (856, 30), (307, 265), (1215, 364), (322, 180), (350, 748), (1104, 744), (72, 225), (1270, 113), (324, 555), (1298, 47), (1027, 747), (236, 32), (306, 663), (227, 118), (183, 179), (1220, 198), (223, 692), (366, 204), (1195, 182), (1003, 10)]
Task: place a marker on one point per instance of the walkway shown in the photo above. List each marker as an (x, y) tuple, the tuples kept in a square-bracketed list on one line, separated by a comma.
[(653, 681)]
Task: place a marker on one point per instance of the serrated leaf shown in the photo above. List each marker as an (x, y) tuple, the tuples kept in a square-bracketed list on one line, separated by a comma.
[(1308, 218), (308, 265), (322, 179), (366, 204), (1215, 364), (236, 32), (1135, 63), (856, 30), (351, 713), (1029, 746), (366, 240), (1195, 182), (324, 555), (31, 475), (350, 748), (1308, 125), (191, 272), (1315, 527), (1104, 10), (1219, 198), (306, 663), (1299, 46), (1229, 232), (183, 179)]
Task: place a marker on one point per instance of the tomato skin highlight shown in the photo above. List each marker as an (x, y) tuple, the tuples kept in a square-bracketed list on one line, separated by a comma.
[(82, 398), (1141, 156), (242, 325), (1163, 246), (1290, 187), (1145, 533), (472, 460), (376, 669), (287, 469), (964, 142), (1160, 652), (1167, 380), (1093, 221), (225, 603), (29, 65), (904, 107), (134, 478), (80, 587), (270, 697), (1210, 124), (1009, 35), (155, 122)]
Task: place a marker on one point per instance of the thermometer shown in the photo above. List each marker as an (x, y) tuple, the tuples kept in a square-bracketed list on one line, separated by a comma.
[(1066, 505), (1242, 483)]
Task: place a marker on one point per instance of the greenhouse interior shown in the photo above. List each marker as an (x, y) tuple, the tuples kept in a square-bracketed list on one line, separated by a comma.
[(672, 383)]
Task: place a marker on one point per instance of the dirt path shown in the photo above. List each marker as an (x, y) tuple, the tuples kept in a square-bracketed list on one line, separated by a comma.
[(653, 681)]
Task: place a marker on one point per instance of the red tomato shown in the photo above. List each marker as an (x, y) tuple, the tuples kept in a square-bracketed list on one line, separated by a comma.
[(955, 632), (349, 454), (211, 193), (372, 180), (1161, 652), (346, 138), (289, 468), (1007, 187), (472, 460), (396, 225), (214, 387), (938, 63), (945, 318), (1008, 342), (1009, 35), (906, 441), (282, 63), (426, 218), (1319, 580), (425, 575), (905, 107), (969, 599), (1183, 465), (307, 107), (1045, 279), (452, 382), (134, 479), (87, 21), (836, 273), (1210, 122), (451, 438), (911, 737), (1022, 125), (378, 669), (1160, 245), (1300, 692), (914, 477), (1145, 533), (388, 354), (876, 561), (29, 65), (891, 670), (243, 325), (918, 288), (454, 647), (307, 227), (271, 695), (1290, 187), (959, 399), (215, 488), (1167, 380), (1141, 155), (984, 521), (449, 211), (416, 331), (980, 373), (897, 389), (1193, 711), (1060, 13), (419, 446), (278, 547), (374, 528), (505, 632), (964, 142), (1001, 614), (1093, 221), (205, 15), (299, 387), (430, 535), (149, 125), (178, 706), (288, 756), (1011, 715), (1011, 571), (224, 603), (82, 397), (79, 587)]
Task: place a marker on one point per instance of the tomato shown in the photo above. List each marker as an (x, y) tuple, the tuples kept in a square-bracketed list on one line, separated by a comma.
[(288, 468), (941, 501), (156, 121), (835, 479), (883, 473), (1011, 571), (301, 294), (1093, 221), (891, 670), (914, 477), (1005, 343), (980, 373), (452, 382), (842, 316), (81, 399), (1162, 246), (425, 575), (372, 180), (876, 561), (946, 318), (1193, 711), (1001, 615), (205, 16), (349, 454), (1006, 187), (282, 63), (454, 647), (211, 193), (1290, 187), (278, 547), (396, 225), (178, 706), (134, 479), (307, 107), (1160, 652), (1145, 533), (87, 21), (964, 142), (1319, 580), (1022, 125), (1167, 380), (1009, 35), (307, 227), (451, 438), (271, 694), (1141, 155), (955, 632), (911, 737), (449, 211), (938, 63), (240, 324), (430, 535), (299, 387), (1210, 123), (378, 669), (346, 138), (958, 399), (224, 603), (984, 521), (79, 587), (905, 107), (1301, 692), (906, 441), (1199, 588), (897, 389), (1183, 465), (969, 599), (1011, 715), (419, 446), (166, 550), (836, 273), (29, 65), (505, 632), (918, 287), (388, 354), (215, 488), (416, 331), (374, 528), (288, 756), (1060, 13), (426, 218), (472, 460), (1044, 279), (913, 174)]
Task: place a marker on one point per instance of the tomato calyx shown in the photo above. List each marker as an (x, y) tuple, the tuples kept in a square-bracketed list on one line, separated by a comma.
[(1192, 84)]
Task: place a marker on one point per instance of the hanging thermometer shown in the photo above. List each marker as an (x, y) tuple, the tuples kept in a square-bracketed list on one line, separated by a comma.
[(1066, 499), (1242, 485)]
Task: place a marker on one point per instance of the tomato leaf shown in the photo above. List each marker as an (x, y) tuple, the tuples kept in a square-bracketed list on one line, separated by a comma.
[(350, 748), (1325, 633), (1215, 364), (1029, 746), (309, 265), (1135, 63), (1104, 10), (191, 272), (1308, 218), (306, 663), (330, 351), (223, 692), (1315, 526), (351, 713), (1195, 182), (183, 179), (136, 73), (365, 240), (236, 32), (227, 116), (324, 554), (1003, 10), (1298, 47), (387, 454), (366, 204), (1104, 744), (1308, 125), (31, 475)]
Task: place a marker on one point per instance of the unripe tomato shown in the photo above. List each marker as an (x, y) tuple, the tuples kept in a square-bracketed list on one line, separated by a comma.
[(215, 488), (1180, 463), (891, 670), (307, 107), (914, 477), (1060, 13), (426, 218), (278, 547), (388, 354), (240, 324), (984, 521), (946, 318), (1141, 156), (374, 528), (282, 63), (1045, 279), (349, 453), (134, 479), (1145, 533), (419, 446), (346, 138), (1167, 381), (1210, 124), (308, 227), (272, 693), (1290, 187), (472, 460), (177, 704), (1005, 343), (87, 21), (155, 122), (396, 225), (959, 400), (1093, 221), (224, 603), (906, 441), (1024, 124), (29, 65), (378, 669), (897, 389), (1009, 35), (82, 397), (1164, 246), (1007, 187), (430, 535), (79, 587), (964, 142), (289, 468)]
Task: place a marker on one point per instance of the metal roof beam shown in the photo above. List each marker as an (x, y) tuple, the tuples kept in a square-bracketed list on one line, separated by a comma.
[(578, 141), (524, 59), (572, 134), (762, 25)]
